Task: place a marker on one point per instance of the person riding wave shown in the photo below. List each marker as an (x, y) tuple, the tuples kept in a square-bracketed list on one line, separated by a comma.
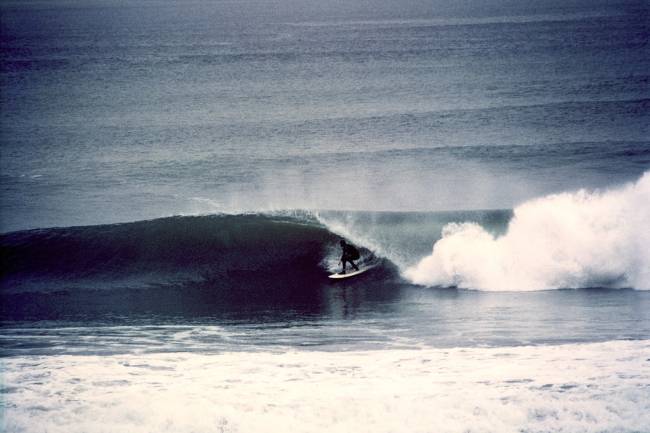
[(350, 253)]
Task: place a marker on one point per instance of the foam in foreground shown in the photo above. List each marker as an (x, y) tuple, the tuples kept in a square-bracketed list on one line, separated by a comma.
[(602, 387)]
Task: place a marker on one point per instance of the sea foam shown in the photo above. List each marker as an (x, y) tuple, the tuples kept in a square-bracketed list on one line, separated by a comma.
[(597, 387), (567, 240)]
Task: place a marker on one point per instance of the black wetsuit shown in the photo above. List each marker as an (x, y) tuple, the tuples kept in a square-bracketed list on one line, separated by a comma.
[(350, 253)]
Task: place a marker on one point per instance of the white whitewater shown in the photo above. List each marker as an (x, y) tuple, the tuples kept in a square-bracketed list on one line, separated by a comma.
[(597, 387), (567, 240)]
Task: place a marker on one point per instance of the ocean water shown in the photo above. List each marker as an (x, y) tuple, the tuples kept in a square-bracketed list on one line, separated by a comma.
[(176, 177)]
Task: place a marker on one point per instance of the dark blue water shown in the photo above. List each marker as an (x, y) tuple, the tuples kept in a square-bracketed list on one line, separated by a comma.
[(335, 318)]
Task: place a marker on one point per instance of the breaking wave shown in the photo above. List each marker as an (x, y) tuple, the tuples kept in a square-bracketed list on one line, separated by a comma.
[(225, 250), (568, 240)]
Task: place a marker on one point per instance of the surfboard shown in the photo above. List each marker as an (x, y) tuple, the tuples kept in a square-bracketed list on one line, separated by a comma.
[(350, 274)]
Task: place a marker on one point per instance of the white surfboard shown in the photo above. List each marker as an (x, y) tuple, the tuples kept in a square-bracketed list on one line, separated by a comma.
[(350, 274)]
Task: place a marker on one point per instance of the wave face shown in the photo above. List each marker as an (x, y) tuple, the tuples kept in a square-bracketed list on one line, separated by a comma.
[(232, 248), (568, 240), (193, 266)]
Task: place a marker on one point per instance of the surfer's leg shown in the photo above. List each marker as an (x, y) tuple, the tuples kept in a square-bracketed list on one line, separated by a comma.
[(353, 265)]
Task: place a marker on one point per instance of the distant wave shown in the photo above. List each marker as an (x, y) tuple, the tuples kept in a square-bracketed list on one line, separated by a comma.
[(460, 109), (568, 240), (452, 21)]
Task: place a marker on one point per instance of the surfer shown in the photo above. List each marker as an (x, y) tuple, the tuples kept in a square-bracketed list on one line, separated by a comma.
[(350, 253)]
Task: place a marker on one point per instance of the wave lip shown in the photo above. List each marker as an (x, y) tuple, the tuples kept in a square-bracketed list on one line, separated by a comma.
[(568, 240)]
